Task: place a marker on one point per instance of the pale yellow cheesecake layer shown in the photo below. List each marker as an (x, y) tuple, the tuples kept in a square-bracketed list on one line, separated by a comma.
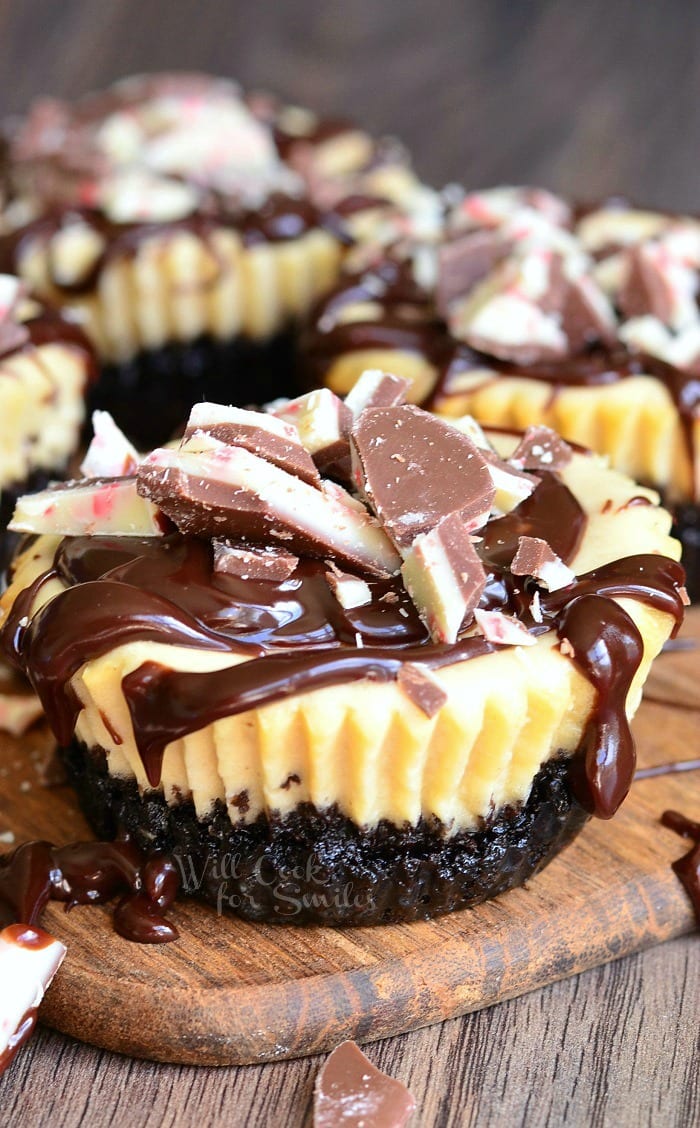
[(177, 286), (365, 746), (42, 409)]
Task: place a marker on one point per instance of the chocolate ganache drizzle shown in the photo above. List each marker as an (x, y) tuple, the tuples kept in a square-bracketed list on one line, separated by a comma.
[(90, 873), (293, 636), (687, 868)]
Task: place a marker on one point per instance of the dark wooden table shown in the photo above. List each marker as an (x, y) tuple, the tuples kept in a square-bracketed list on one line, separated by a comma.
[(588, 99)]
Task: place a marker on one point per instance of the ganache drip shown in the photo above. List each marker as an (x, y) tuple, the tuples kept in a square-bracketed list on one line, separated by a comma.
[(687, 868), (85, 873), (293, 636)]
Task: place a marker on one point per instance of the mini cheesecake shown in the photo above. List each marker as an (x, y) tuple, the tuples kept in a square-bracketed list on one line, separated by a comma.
[(520, 312), (189, 226), (371, 667), (46, 364)]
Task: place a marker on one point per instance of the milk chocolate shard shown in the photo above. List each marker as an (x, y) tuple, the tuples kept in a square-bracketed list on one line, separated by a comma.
[(352, 1092), (29, 959), (251, 563), (660, 284), (415, 469), (502, 629), (535, 558), (541, 449), (323, 422), (464, 261), (375, 388), (227, 492), (422, 688), (444, 577), (267, 436), (110, 454), (90, 507), (350, 591)]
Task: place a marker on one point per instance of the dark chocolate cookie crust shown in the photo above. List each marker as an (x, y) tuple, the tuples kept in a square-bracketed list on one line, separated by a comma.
[(150, 396), (318, 867)]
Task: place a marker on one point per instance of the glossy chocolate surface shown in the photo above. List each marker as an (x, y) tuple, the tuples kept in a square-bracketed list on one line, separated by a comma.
[(85, 873)]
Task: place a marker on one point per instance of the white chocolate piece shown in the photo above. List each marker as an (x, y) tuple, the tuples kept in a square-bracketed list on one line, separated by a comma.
[(110, 454), (502, 629), (29, 959), (350, 591), (88, 508)]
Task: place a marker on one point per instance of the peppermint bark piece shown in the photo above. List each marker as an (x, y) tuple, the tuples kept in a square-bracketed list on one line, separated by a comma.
[(227, 492), (444, 577), (536, 558), (352, 1092), (375, 388), (29, 959), (323, 422), (110, 454), (350, 591), (415, 469), (265, 435), (503, 629), (252, 563), (91, 507), (541, 449)]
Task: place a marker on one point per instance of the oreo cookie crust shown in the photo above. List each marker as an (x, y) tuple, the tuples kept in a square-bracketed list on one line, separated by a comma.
[(318, 867)]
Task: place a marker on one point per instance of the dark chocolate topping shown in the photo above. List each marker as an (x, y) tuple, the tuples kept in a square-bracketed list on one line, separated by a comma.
[(608, 648), (90, 873), (687, 868)]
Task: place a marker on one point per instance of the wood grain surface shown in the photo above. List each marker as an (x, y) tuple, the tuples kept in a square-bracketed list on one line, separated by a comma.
[(613, 889), (231, 992), (588, 98)]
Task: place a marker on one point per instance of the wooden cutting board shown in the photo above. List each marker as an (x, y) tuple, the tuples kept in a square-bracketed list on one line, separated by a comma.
[(229, 992)]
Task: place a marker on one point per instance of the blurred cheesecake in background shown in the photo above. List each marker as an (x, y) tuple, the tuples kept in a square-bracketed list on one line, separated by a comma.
[(520, 311), (46, 365), (190, 226)]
